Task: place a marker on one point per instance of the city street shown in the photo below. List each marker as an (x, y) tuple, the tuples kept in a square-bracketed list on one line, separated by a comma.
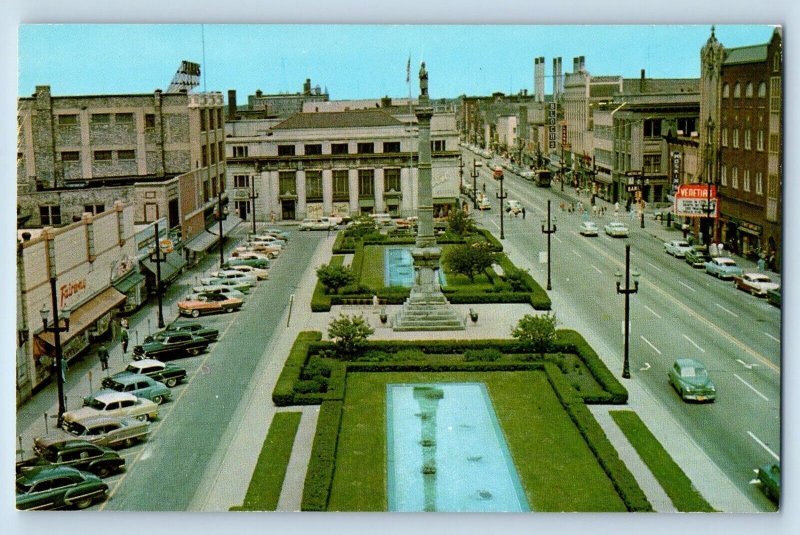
[(678, 312)]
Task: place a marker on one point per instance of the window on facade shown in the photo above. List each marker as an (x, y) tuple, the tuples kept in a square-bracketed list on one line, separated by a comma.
[(652, 127), (366, 182), (287, 183), (67, 119), (149, 120), (735, 177), (203, 121), (221, 150), (339, 148), (762, 90), (240, 151), (391, 179), (126, 154), (747, 142), (776, 62), (687, 125), (94, 208), (760, 140), (726, 91), (774, 143), (437, 145), (220, 122), (735, 138), (313, 185), (759, 183), (775, 95), (341, 184), (285, 150), (366, 148), (212, 120), (724, 137), (212, 150), (723, 175), (312, 150), (746, 180), (652, 163), (748, 90), (737, 90), (102, 155), (391, 146), (70, 156), (50, 215), (101, 118), (123, 118), (204, 156), (206, 191), (241, 181)]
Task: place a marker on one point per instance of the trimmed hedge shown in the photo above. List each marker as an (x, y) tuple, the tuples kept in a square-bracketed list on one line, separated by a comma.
[(494, 243), (284, 393), (538, 297), (569, 341), (320, 301), (319, 477), (622, 479)]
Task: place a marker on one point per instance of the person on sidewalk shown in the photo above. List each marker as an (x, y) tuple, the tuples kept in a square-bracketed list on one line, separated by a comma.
[(523, 212), (123, 336), (102, 354)]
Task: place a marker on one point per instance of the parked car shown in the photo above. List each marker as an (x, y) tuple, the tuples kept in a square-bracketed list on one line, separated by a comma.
[(208, 303), (240, 285), (81, 454), (317, 224), (267, 251), (723, 267), (197, 329), (406, 222), (268, 237), (244, 254), (270, 247), (164, 372), (172, 345), (227, 291), (257, 262), (106, 431), (231, 275), (382, 219), (755, 283), (677, 248), (119, 404), (690, 379), (259, 273), (616, 229), (139, 385), (769, 477), (774, 297), (588, 228), (697, 256), (278, 233), (58, 487)]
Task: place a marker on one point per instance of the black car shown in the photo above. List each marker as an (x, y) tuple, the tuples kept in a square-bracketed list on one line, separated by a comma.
[(171, 345), (697, 256), (58, 487), (197, 329), (79, 454), (164, 372)]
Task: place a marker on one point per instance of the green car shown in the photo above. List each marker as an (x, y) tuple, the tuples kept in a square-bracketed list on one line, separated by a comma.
[(697, 256), (261, 263), (59, 487), (774, 297), (79, 454), (690, 379), (769, 476)]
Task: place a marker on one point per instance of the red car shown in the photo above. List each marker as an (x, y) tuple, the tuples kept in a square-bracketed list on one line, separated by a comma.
[(208, 304)]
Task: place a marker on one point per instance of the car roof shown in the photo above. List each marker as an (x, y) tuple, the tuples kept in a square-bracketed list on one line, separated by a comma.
[(688, 362), (131, 378), (47, 472), (108, 397), (99, 420)]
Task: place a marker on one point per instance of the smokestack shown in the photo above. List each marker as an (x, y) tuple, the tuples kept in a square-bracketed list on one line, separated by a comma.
[(558, 84), (642, 82), (307, 87), (231, 104), (538, 86), (582, 63)]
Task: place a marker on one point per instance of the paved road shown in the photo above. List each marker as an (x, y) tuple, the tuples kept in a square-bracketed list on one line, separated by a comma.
[(677, 312)]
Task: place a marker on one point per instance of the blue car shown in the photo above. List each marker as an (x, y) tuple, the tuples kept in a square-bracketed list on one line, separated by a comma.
[(140, 386), (723, 267)]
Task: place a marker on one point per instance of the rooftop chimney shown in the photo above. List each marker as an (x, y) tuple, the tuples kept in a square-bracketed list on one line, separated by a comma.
[(231, 104)]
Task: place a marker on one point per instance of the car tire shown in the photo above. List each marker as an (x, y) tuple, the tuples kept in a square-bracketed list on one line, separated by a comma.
[(195, 313), (194, 351), (171, 382), (102, 470), (83, 503), (158, 400)]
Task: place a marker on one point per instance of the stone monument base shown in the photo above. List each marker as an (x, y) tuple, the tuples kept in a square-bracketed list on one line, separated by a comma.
[(427, 311)]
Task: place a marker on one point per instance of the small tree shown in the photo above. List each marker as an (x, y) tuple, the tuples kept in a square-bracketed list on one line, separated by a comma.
[(334, 277), (350, 333), (469, 260), (460, 222), (538, 332), (362, 226)]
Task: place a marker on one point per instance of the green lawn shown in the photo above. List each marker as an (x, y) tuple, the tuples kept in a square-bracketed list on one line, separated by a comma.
[(270, 471), (669, 475), (556, 467)]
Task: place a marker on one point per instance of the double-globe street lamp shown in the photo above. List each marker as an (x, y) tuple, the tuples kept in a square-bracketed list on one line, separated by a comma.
[(474, 175), (57, 329), (498, 175), (253, 196), (627, 291), (156, 257), (551, 228), (221, 216)]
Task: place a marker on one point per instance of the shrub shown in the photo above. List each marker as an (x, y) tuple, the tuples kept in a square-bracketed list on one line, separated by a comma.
[(319, 476), (539, 332), (283, 394), (374, 356), (311, 386), (516, 280), (350, 334), (333, 277), (482, 355), (460, 222), (315, 367), (469, 260)]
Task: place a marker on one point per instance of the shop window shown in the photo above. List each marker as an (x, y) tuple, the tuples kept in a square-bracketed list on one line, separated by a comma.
[(70, 156), (102, 155), (126, 154), (101, 118)]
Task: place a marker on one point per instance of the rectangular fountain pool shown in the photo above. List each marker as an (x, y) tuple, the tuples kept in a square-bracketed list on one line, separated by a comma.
[(446, 451), (398, 267)]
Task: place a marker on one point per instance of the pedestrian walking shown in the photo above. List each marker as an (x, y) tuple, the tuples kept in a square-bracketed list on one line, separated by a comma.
[(761, 263), (123, 336), (102, 354), (523, 212)]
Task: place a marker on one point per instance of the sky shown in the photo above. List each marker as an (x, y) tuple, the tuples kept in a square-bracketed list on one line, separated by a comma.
[(353, 61)]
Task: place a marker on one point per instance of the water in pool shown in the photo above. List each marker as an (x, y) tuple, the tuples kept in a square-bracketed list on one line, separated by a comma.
[(399, 267), (446, 451)]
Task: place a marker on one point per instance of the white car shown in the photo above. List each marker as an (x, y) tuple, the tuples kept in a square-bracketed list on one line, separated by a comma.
[(513, 206), (271, 237), (484, 204), (589, 228), (246, 254), (233, 275), (259, 273), (266, 251), (755, 283), (119, 404), (677, 248), (320, 223), (227, 291), (616, 229)]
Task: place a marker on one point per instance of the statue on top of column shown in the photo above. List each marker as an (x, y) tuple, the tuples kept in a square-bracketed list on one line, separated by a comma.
[(423, 80)]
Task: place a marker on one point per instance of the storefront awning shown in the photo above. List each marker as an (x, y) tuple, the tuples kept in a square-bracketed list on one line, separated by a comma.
[(127, 282), (203, 241), (170, 267), (84, 316)]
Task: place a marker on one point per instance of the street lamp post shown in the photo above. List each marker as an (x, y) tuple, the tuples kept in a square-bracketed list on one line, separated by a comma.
[(474, 175), (221, 217), (551, 228), (561, 162), (498, 175), (709, 178), (253, 196), (156, 258), (57, 329), (461, 170), (627, 291)]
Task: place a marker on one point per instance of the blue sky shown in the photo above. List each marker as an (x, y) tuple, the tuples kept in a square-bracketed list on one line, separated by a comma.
[(353, 61)]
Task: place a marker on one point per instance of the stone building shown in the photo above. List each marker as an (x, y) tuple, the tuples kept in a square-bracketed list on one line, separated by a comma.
[(162, 153), (338, 163)]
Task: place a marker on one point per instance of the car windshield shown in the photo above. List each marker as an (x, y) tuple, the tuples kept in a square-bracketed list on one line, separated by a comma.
[(691, 371), (114, 385), (97, 404), (681, 244), (76, 428), (727, 262), (49, 454), (23, 487), (159, 336)]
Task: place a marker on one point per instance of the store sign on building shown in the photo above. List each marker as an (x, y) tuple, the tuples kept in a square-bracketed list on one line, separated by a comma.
[(692, 200), (71, 292), (121, 267), (552, 116), (563, 133), (675, 174)]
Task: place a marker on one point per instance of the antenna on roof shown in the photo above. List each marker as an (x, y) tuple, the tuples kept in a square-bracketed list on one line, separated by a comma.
[(186, 79)]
